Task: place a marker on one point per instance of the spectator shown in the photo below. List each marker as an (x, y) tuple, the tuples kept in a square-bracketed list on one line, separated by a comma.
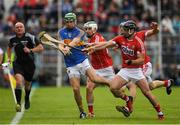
[(2, 9), (101, 17), (33, 25), (66, 7), (113, 18), (87, 6), (16, 10), (127, 7), (167, 25), (176, 23)]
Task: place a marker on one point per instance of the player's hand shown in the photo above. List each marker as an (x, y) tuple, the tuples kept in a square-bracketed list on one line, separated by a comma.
[(9, 61), (89, 50), (66, 50), (89, 44), (128, 62), (26, 50), (154, 25)]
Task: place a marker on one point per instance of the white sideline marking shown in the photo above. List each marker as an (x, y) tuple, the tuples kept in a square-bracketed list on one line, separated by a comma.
[(19, 115)]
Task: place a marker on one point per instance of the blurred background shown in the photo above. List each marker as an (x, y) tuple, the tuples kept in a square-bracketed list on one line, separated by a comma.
[(39, 15)]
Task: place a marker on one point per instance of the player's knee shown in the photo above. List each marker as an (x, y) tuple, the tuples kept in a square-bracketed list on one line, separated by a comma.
[(93, 79), (89, 88), (18, 85), (114, 91), (76, 89), (147, 93)]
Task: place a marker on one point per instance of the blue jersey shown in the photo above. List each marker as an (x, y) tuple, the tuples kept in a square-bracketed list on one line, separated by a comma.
[(77, 56)]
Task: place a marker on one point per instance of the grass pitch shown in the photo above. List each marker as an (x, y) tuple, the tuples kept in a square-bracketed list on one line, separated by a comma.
[(57, 106)]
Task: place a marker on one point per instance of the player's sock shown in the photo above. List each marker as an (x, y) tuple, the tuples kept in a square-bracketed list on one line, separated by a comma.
[(158, 108), (18, 93), (126, 98), (27, 93), (129, 103), (90, 108), (27, 102), (160, 113), (168, 84), (81, 109), (165, 83)]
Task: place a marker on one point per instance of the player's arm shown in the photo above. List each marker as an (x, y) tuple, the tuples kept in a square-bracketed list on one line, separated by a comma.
[(64, 50), (9, 51), (38, 48), (99, 46), (77, 39), (154, 29), (139, 61)]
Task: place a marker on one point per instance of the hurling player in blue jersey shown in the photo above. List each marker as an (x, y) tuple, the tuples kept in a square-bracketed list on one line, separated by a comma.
[(76, 62)]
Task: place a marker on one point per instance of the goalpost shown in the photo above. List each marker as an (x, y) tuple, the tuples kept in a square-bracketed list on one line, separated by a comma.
[(59, 55)]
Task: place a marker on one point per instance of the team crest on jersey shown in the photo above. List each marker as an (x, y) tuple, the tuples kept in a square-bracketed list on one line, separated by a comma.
[(126, 50), (133, 46), (70, 35), (24, 42)]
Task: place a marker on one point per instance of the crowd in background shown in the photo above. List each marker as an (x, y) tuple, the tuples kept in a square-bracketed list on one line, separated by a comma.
[(41, 15)]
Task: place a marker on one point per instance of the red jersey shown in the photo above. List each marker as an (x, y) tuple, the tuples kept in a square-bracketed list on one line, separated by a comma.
[(130, 48), (100, 59), (142, 35)]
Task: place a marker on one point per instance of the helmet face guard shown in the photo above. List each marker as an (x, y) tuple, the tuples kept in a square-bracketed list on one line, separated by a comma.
[(128, 28), (91, 25)]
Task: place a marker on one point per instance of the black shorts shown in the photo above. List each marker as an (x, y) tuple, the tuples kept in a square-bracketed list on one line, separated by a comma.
[(27, 70)]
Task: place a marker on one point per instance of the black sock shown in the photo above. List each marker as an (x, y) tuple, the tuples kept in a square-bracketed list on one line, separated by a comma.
[(27, 92), (18, 93)]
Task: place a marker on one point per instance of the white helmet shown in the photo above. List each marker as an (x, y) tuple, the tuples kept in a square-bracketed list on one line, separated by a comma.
[(91, 24)]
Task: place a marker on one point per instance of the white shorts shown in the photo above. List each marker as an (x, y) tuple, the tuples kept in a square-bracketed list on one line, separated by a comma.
[(106, 72), (77, 70), (131, 74), (147, 70)]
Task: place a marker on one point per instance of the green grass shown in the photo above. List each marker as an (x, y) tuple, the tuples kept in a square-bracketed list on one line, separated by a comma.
[(57, 106)]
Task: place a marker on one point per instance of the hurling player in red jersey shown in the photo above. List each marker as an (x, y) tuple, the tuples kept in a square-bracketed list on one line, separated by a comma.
[(147, 67), (100, 60), (133, 56)]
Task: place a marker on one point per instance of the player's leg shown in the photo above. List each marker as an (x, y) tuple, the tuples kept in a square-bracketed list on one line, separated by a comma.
[(18, 71), (108, 73), (90, 97), (132, 89), (90, 72), (74, 78), (165, 83), (116, 88), (18, 90), (75, 83), (143, 85), (28, 76), (27, 94)]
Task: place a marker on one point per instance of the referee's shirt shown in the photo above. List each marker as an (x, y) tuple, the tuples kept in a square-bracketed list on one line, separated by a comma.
[(28, 40)]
